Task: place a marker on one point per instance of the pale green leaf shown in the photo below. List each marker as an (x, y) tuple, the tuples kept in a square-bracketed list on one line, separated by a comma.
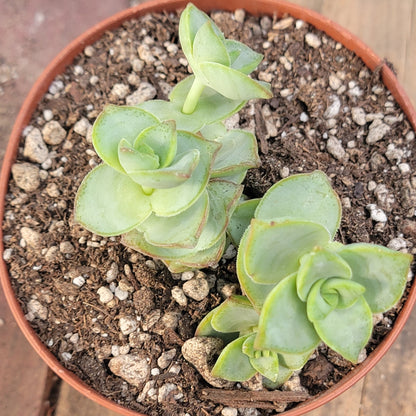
[(274, 249), (233, 364), (238, 150), (110, 203), (256, 292), (346, 291), (265, 362), (306, 196), (383, 273), (114, 124), (232, 83), (348, 330), (235, 314), (209, 46), (243, 58), (173, 201), (162, 138), (240, 220), (176, 257), (295, 361), (320, 264), (132, 159), (182, 230), (223, 197), (317, 306), (214, 131), (172, 176), (283, 324), (205, 329), (283, 376)]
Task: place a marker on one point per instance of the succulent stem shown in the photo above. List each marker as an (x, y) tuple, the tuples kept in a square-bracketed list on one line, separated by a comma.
[(193, 97)]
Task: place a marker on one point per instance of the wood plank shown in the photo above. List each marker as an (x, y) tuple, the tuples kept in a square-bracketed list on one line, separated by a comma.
[(23, 373), (347, 404), (72, 403), (409, 77), (390, 387)]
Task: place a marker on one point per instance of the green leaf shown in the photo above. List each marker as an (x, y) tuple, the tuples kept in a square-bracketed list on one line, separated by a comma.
[(233, 364), (208, 46), (110, 203), (175, 258), (256, 292), (320, 264), (173, 201), (283, 376), (190, 22), (273, 249), (383, 273), (238, 150), (240, 220), (132, 159), (235, 314), (205, 329), (114, 124), (265, 362), (243, 58), (232, 83), (162, 138), (179, 231), (346, 291), (283, 324), (348, 330), (223, 197), (172, 176), (317, 306), (214, 131), (295, 361), (304, 196)]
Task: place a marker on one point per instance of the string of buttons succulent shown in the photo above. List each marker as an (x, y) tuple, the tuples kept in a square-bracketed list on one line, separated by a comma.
[(171, 185)]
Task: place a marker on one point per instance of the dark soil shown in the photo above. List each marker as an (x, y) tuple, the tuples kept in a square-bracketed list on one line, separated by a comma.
[(296, 133)]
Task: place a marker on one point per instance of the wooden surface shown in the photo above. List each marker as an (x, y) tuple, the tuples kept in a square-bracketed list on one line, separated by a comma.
[(33, 31)]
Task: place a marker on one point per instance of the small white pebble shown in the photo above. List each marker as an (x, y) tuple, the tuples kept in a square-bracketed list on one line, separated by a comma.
[(188, 275), (304, 117), (105, 294), (404, 167), (313, 40), (78, 281)]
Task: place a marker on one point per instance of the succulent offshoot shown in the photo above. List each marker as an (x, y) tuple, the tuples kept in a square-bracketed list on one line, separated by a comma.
[(301, 287)]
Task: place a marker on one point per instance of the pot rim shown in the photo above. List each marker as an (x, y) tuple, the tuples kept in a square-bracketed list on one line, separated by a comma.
[(65, 58)]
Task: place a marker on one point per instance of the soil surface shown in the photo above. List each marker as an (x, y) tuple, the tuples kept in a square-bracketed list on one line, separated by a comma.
[(93, 302)]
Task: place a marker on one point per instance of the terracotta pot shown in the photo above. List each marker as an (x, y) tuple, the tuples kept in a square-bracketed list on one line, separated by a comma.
[(65, 58)]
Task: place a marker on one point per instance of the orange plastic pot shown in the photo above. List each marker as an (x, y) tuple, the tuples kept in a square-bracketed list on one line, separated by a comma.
[(65, 58)]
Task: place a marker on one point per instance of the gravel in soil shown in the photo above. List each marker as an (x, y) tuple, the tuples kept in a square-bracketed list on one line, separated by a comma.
[(118, 319)]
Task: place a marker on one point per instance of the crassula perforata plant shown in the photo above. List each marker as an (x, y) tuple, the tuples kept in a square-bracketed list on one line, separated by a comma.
[(171, 173), (301, 287)]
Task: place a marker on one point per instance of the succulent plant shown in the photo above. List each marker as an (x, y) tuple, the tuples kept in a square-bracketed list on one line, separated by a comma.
[(170, 180), (304, 287)]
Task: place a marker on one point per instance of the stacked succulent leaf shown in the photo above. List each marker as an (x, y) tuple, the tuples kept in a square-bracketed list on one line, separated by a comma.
[(301, 288), (172, 172)]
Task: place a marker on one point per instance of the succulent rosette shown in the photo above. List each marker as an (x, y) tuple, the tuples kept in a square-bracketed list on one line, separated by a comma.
[(169, 192), (304, 287)]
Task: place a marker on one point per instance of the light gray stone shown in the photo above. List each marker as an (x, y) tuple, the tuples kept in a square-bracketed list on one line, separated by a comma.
[(53, 133), (358, 116), (333, 108), (377, 131), (313, 40), (335, 148), (120, 90), (33, 238), (26, 176), (179, 296), (35, 148), (166, 358), (196, 289), (81, 127), (35, 308), (133, 368), (145, 92), (168, 392), (199, 351), (128, 324), (105, 294)]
